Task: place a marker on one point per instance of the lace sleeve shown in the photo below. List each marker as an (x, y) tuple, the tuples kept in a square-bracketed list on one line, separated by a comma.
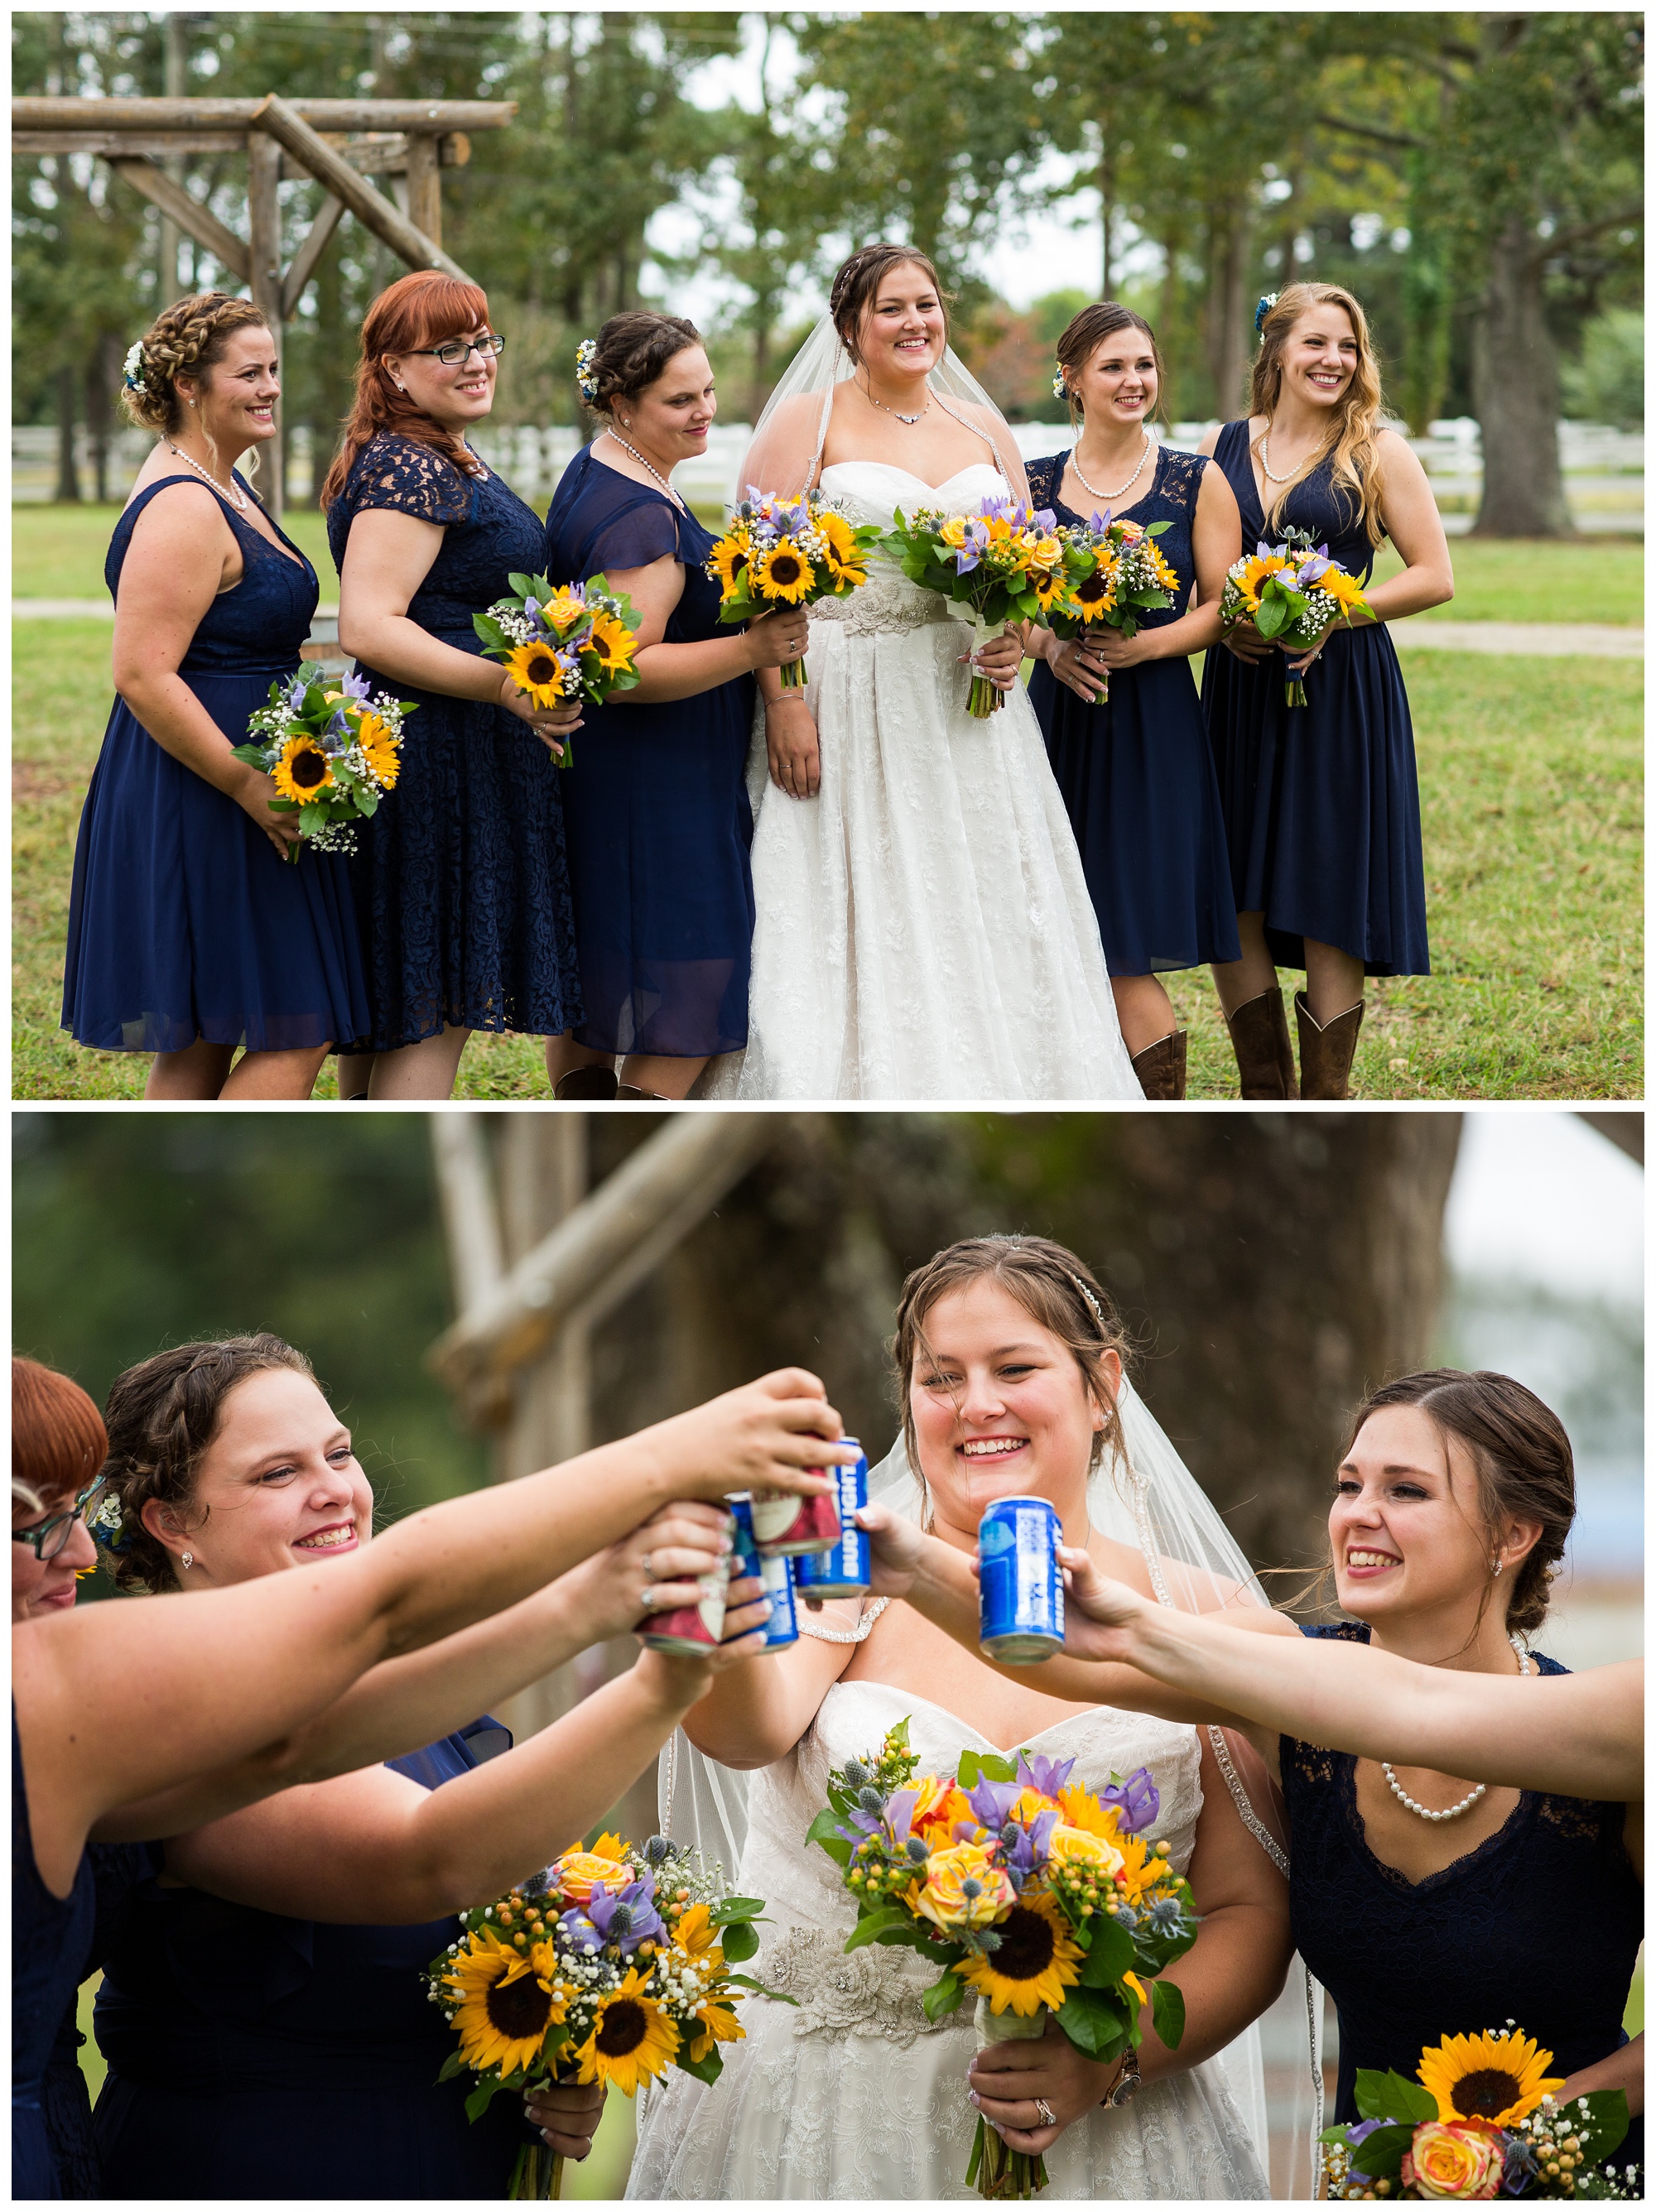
[(409, 479), (1044, 478), (1182, 479)]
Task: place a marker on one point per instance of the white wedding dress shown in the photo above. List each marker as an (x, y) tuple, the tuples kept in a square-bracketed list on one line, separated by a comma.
[(923, 927), (853, 2094)]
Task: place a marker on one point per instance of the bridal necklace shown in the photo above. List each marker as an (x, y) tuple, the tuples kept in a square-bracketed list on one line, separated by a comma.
[(1264, 460), (1149, 448), (857, 1634), (643, 463), (231, 491), (1449, 1812), (868, 395)]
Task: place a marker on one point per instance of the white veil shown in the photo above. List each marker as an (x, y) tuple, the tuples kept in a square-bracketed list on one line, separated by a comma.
[(793, 427), (1148, 1499)]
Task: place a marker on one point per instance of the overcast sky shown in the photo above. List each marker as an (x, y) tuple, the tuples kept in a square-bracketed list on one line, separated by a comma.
[(1540, 1195)]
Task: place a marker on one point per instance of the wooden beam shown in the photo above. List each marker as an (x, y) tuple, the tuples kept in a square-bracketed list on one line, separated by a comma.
[(303, 267), (188, 212), (468, 1208), (381, 157), (388, 156), (604, 1248), (264, 282), (152, 115), (425, 189), (370, 207)]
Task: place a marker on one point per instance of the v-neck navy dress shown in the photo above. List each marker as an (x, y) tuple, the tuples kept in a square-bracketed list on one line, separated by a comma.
[(1322, 806)]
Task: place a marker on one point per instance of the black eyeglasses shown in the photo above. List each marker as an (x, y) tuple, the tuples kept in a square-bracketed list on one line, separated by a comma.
[(45, 1539), (458, 350)]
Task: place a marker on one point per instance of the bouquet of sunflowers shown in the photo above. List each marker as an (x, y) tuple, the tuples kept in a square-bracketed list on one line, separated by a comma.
[(1024, 1888), (1111, 574), (1291, 592), (611, 1965), (1478, 2118), (791, 553), (563, 641), (996, 560), (330, 750)]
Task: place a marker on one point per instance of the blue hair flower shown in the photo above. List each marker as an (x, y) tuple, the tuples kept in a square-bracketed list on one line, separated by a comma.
[(1267, 301)]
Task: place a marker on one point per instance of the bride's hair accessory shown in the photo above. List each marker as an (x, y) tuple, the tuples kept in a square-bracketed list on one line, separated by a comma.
[(584, 354), (1267, 301)]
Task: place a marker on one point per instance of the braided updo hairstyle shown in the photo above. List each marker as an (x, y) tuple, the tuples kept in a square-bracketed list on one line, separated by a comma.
[(161, 1415), (630, 352), (1525, 1469), (184, 340), (860, 278)]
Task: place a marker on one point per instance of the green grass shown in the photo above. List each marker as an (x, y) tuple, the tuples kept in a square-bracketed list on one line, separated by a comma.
[(57, 552), (1521, 580)]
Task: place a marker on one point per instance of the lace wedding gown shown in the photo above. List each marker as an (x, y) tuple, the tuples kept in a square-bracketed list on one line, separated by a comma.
[(924, 929), (853, 2094)]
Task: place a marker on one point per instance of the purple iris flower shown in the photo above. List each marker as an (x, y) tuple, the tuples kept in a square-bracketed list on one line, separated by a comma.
[(1025, 1854), (1137, 1800), (297, 690), (1100, 523), (1044, 520), (1313, 566), (1046, 1774), (355, 686), (993, 1800), (627, 1919), (1365, 2129)]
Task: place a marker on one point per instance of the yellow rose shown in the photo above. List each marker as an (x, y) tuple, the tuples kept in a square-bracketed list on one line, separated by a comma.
[(954, 531), (1076, 1847), (1130, 531), (579, 1873), (1446, 2160), (942, 1897)]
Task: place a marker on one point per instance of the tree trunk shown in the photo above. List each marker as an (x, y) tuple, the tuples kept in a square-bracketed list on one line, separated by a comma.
[(1227, 310), (68, 476), (97, 415), (1515, 383)]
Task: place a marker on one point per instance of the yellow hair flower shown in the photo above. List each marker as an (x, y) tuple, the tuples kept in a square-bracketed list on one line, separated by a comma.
[(535, 669), (1036, 1961), (507, 2002), (1495, 2079), (301, 771), (632, 2041), (784, 575)]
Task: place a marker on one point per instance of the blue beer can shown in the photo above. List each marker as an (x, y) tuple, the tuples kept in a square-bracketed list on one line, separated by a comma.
[(781, 1630), (1020, 1615), (843, 1570)]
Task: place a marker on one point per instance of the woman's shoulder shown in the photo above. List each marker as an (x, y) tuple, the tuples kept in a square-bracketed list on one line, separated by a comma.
[(1182, 472), (1045, 474), (397, 471)]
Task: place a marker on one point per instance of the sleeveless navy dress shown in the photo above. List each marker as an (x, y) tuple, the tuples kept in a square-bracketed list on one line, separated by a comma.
[(252, 2056), (119, 1871), (1135, 772), (1322, 807), (184, 921), (659, 822), (49, 1938), (1539, 1924), (462, 892)]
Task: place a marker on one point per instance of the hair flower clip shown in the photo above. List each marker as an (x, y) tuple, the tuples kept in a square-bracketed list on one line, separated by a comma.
[(1267, 301), (1060, 388), (584, 354), (108, 1524), (132, 371)]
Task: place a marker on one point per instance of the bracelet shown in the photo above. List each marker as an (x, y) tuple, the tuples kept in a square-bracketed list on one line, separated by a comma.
[(1129, 2083), (796, 700)]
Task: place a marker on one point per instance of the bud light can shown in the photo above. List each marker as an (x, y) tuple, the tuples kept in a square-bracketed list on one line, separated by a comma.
[(786, 1527), (1020, 1583), (843, 1571), (694, 1628), (781, 1630)]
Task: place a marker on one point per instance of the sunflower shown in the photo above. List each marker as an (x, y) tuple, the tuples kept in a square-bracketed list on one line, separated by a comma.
[(1339, 587), (632, 2038), (784, 575), (507, 2002), (697, 1938), (301, 770), (727, 560), (1035, 1963), (1096, 594), (535, 669), (719, 2025), (1495, 2079), (1254, 573), (379, 750), (612, 641)]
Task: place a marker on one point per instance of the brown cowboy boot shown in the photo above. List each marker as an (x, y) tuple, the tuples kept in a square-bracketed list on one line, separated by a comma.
[(1259, 1038), (1326, 1053), (1161, 1067), (586, 1083)]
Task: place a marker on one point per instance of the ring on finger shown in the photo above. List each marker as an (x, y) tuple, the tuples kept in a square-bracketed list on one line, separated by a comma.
[(1048, 2118), (646, 1597), (645, 1568)]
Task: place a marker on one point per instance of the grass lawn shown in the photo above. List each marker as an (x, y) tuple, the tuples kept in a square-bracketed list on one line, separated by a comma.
[(1533, 881), (57, 552)]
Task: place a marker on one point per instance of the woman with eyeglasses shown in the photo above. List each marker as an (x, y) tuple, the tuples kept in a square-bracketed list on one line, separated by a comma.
[(462, 889)]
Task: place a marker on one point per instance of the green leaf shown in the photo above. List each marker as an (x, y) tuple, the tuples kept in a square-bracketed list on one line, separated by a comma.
[(760, 1989), (452, 2065), (705, 2069), (1155, 529), (311, 817), (735, 1908), (1272, 616), (998, 1768), (367, 803), (969, 1772), (1382, 2152), (944, 1995), (538, 587), (1109, 1955), (1167, 2013), (481, 2098), (740, 1940), (1392, 2097), (824, 1830), (1602, 2129), (883, 1920), (899, 1735), (1094, 2023)]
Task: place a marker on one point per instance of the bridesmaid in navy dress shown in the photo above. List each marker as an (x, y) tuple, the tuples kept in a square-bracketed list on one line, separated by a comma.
[(658, 821), (462, 892), (189, 931), (1322, 810), (1135, 769)]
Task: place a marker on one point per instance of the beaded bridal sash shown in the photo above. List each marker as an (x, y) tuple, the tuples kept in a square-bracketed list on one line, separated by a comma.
[(887, 602), (875, 1989)]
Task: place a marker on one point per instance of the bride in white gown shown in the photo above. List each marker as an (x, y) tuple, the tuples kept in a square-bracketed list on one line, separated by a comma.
[(923, 929), (1014, 1387)]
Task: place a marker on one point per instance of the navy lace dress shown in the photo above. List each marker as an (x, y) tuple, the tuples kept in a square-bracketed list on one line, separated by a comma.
[(252, 2056), (1322, 808), (1135, 772), (462, 892), (184, 921), (49, 1938), (1540, 1924), (658, 821)]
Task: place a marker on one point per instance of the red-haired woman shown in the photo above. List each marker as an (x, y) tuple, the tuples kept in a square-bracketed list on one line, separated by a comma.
[(462, 892)]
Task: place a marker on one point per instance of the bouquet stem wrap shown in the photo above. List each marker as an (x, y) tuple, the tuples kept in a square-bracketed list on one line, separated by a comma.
[(985, 697), (997, 2171)]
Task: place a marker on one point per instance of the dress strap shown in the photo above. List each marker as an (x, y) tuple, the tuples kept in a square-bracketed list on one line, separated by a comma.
[(999, 463)]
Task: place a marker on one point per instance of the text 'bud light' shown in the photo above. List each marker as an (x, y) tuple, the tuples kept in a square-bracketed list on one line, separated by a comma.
[(1020, 1615), (843, 1570), (782, 1629)]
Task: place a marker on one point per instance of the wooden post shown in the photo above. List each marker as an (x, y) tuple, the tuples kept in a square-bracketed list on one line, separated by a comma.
[(264, 282), (425, 187), (186, 210), (274, 117)]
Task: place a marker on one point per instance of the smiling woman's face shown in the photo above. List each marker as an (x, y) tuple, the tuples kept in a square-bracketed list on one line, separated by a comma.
[(39, 1587), (278, 1486)]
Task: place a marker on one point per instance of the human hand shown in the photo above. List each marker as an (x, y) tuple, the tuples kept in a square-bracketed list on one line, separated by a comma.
[(896, 1548), (1000, 659), (774, 1434), (253, 795), (791, 746), (1298, 663), (551, 725), (679, 1679), (1004, 2081), (1073, 662), (651, 1571), (1117, 650), (1099, 1616), (1244, 641), (776, 638), (566, 2114)]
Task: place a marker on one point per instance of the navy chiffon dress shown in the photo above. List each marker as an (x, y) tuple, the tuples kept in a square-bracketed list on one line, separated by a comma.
[(462, 892), (49, 1939), (1487, 1940), (184, 921), (1321, 803), (659, 827), (1135, 771), (254, 2056), (119, 1871)]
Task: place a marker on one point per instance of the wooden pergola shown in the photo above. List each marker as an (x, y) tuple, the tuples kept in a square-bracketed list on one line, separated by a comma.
[(341, 145)]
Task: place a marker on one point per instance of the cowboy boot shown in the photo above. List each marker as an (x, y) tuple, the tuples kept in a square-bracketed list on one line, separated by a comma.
[(1259, 1038), (1161, 1067), (632, 1091), (586, 1083), (1327, 1052)]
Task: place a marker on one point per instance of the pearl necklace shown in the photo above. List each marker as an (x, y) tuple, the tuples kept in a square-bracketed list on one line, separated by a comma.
[(1265, 462), (1449, 1812), (911, 419), (231, 491), (643, 463), (1149, 448)]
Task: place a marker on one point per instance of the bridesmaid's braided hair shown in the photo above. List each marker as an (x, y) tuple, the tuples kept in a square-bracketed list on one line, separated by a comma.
[(184, 340), (630, 352), (162, 1416)]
